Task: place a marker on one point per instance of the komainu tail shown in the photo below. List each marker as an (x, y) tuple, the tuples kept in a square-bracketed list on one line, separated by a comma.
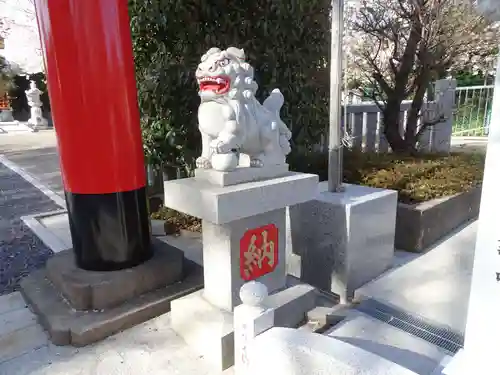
[(273, 103)]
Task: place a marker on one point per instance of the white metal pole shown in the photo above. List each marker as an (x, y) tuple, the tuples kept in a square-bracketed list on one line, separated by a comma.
[(335, 130)]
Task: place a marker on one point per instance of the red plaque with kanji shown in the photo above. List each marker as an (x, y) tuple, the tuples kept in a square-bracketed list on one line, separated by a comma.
[(258, 252)]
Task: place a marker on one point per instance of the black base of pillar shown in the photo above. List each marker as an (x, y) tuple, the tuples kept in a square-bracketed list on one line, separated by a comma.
[(111, 231)]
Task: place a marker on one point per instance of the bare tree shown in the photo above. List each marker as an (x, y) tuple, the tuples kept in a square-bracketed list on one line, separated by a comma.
[(19, 18), (403, 45)]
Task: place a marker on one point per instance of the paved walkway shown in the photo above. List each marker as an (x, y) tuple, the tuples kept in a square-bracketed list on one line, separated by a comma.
[(151, 348), (35, 153), (435, 286), (20, 250)]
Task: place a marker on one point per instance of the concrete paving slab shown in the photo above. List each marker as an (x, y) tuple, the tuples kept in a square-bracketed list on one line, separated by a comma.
[(20, 342), (56, 241), (434, 286), (150, 348), (10, 302), (388, 342), (19, 332), (26, 141), (36, 154), (14, 320), (59, 225)]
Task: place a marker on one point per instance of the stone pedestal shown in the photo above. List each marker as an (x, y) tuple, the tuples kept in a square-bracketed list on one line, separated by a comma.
[(244, 238), (36, 120), (78, 307), (340, 241)]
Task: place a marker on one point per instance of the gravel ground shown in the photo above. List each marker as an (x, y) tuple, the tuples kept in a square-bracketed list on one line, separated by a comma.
[(20, 250)]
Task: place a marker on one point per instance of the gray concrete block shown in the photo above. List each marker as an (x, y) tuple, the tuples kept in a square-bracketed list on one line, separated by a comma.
[(420, 225), (207, 329), (291, 304), (241, 174), (91, 290), (343, 239), (157, 227), (217, 204), (328, 315), (67, 326)]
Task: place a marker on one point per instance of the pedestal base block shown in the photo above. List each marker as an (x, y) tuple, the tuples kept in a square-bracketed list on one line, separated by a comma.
[(92, 290), (343, 239), (209, 330), (68, 326)]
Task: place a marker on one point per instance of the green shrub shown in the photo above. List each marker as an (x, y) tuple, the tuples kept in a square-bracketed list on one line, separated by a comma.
[(416, 178), (287, 42)]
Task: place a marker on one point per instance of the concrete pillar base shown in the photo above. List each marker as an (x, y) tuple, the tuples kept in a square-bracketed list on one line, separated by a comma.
[(78, 307), (340, 241)]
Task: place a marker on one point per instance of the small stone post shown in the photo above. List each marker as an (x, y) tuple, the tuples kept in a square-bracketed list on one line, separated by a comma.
[(445, 104), (251, 318)]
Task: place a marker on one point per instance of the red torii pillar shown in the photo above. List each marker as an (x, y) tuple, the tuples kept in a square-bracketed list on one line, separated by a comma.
[(90, 71)]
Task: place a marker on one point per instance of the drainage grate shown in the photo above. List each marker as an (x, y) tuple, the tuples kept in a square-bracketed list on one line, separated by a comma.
[(442, 337)]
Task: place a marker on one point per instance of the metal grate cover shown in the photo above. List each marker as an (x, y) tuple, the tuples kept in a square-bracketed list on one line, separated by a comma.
[(443, 337)]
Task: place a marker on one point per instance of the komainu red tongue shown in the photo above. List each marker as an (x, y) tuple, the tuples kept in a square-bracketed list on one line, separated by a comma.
[(210, 86)]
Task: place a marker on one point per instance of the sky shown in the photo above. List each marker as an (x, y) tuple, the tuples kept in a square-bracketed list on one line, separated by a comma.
[(22, 43)]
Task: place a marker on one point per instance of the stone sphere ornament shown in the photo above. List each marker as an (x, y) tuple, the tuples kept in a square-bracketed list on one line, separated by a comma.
[(225, 162), (253, 293), (231, 118)]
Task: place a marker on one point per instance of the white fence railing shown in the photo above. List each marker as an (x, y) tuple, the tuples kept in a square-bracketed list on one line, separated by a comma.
[(365, 127), (473, 110)]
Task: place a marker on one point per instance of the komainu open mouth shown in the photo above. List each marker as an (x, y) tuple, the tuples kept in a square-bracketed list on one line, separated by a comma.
[(218, 84)]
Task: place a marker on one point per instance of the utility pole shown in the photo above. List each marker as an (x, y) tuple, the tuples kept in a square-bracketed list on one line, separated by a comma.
[(335, 130)]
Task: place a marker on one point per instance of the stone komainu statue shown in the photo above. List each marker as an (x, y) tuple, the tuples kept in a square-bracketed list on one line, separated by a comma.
[(231, 119)]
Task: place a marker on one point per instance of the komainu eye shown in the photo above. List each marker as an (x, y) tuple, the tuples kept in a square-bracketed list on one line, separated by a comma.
[(224, 62)]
